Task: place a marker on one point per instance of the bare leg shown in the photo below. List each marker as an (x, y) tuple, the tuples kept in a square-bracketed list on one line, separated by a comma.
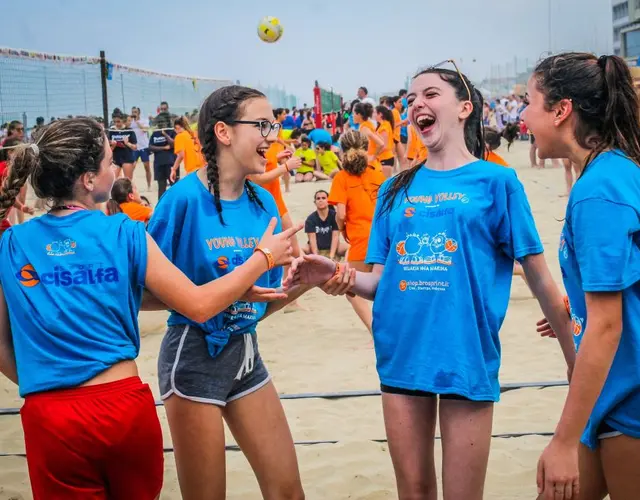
[(128, 169), (620, 457), (532, 156), (148, 174), (555, 163), (466, 438), (260, 427), (401, 154), (197, 432), (321, 176), (592, 483), (410, 423), (308, 177), (361, 306)]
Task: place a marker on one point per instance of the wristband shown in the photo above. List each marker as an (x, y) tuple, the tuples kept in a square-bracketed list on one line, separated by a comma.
[(271, 263)]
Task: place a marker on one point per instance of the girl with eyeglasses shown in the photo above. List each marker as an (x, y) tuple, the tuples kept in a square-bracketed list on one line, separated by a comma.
[(585, 108), (209, 371), (442, 245)]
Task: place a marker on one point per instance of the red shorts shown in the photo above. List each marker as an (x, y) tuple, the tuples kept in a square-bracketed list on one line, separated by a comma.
[(96, 442)]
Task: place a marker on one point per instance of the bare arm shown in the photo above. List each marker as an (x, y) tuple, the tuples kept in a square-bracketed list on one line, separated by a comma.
[(7, 354), (178, 162), (372, 136), (292, 294), (159, 148), (199, 303), (313, 242), (551, 302), (341, 215), (267, 177), (597, 350), (169, 139), (367, 283)]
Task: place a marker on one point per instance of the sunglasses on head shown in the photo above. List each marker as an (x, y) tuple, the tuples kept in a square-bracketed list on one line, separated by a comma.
[(462, 78)]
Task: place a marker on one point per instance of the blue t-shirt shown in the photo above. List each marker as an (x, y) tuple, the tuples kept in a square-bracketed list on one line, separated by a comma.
[(186, 226), (299, 121), (320, 135), (600, 252), (403, 130), (448, 250), (288, 123), (73, 287), (352, 123)]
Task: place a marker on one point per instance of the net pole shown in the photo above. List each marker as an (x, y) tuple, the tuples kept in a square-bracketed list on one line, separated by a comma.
[(103, 83), (317, 105), (46, 92)]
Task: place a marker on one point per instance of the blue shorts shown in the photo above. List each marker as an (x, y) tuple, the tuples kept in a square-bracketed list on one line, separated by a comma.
[(142, 154)]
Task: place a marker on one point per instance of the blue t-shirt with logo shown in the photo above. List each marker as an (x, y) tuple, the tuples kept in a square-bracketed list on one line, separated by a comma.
[(448, 247), (600, 252), (73, 287), (186, 226)]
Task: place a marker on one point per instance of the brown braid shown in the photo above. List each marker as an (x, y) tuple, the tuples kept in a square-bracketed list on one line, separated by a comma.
[(223, 105)]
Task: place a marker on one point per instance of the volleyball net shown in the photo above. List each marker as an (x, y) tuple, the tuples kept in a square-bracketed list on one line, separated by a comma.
[(51, 86)]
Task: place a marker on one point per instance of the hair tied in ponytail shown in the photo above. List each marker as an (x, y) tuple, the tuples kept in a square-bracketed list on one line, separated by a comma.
[(36, 150), (602, 61)]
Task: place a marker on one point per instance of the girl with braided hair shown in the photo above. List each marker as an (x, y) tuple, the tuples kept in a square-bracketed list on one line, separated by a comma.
[(211, 370), (71, 287), (443, 241)]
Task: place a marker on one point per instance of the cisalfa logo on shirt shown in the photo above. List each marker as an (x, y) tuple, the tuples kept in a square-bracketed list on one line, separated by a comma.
[(61, 276)]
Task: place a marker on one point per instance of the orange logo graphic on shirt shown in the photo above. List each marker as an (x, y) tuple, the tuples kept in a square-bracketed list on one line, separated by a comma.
[(222, 263), (27, 276), (403, 285), (409, 211), (577, 324), (400, 248)]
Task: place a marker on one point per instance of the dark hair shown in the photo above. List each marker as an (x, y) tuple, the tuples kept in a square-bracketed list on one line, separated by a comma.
[(510, 132), (305, 140), (603, 96), (353, 105), (386, 114), (324, 145), (66, 149), (363, 109), (297, 132), (145, 199), (223, 105), (354, 151), (40, 120), (7, 146), (402, 92), (113, 207), (318, 192), (164, 103), (121, 190), (492, 138), (364, 89), (473, 133), (277, 112), (13, 125)]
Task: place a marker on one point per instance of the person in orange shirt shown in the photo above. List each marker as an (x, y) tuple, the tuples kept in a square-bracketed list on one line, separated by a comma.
[(125, 194), (187, 149), (396, 107), (492, 141), (362, 113), (416, 150), (384, 117), (354, 191)]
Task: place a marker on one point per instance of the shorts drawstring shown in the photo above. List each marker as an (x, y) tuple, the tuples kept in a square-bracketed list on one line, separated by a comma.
[(249, 356)]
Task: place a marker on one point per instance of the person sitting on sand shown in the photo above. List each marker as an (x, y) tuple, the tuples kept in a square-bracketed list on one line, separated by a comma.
[(125, 193), (322, 230)]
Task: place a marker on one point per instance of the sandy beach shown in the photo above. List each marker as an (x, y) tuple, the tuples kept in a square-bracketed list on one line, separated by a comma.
[(327, 349)]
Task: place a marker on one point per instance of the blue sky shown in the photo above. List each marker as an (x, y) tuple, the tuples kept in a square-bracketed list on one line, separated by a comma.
[(342, 43)]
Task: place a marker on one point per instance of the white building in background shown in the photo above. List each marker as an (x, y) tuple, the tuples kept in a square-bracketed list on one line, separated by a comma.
[(620, 10)]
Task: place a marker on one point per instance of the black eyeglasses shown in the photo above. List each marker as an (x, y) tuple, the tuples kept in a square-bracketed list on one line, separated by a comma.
[(265, 126), (451, 61)]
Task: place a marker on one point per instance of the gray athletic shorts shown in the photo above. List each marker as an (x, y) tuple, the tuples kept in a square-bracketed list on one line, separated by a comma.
[(186, 369)]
